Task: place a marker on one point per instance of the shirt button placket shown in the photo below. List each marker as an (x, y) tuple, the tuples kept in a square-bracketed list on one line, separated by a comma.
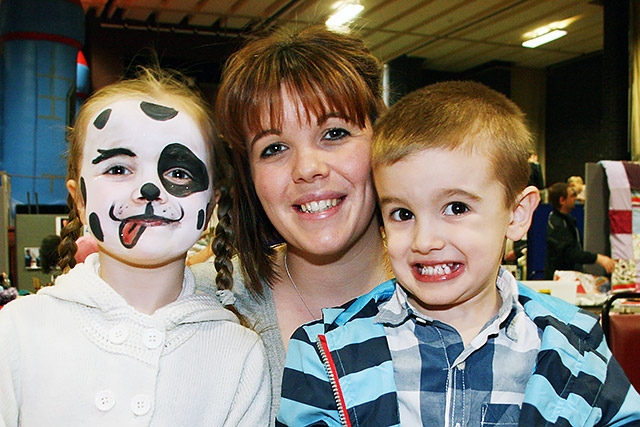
[(152, 339)]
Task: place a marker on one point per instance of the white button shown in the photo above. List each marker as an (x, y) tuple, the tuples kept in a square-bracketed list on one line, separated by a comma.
[(105, 400), (152, 338), (140, 404), (118, 334)]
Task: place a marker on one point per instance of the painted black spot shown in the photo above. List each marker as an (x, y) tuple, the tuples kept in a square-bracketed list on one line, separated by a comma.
[(83, 191), (158, 112), (201, 217), (177, 157), (102, 119), (96, 228)]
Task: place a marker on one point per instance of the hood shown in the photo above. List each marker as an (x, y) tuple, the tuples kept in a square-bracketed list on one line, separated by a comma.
[(83, 285)]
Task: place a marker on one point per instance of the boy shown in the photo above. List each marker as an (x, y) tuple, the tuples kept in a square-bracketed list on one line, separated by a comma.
[(454, 340)]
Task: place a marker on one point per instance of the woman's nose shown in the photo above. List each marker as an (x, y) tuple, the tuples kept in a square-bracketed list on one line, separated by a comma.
[(309, 165)]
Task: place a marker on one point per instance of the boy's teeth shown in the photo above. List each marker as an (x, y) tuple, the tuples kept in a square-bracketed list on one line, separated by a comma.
[(436, 270), (318, 206)]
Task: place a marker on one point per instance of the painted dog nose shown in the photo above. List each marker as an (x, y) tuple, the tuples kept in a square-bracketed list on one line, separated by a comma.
[(149, 192)]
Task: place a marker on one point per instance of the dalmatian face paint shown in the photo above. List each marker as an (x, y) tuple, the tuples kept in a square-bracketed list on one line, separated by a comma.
[(144, 181)]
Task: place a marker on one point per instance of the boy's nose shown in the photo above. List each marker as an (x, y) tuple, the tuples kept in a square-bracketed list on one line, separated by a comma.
[(426, 239)]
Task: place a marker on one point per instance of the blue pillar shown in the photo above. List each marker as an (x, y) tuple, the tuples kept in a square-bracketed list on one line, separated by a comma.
[(41, 40)]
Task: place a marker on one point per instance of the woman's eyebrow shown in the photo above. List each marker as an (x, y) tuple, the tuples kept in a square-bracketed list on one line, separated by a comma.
[(334, 114), (107, 154), (263, 134)]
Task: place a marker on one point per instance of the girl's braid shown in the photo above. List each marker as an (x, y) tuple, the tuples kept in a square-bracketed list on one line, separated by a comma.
[(68, 235), (223, 248), (222, 244)]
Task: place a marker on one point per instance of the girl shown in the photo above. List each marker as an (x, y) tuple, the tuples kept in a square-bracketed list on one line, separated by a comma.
[(124, 338)]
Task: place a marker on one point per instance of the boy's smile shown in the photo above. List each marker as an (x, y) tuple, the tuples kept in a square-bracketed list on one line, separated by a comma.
[(446, 221), (444, 271)]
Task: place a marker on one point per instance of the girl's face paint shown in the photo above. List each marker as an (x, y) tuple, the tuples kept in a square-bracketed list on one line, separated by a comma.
[(146, 184)]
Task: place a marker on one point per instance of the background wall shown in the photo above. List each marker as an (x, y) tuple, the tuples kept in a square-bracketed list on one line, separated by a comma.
[(577, 111), (30, 230), (114, 52), (574, 119)]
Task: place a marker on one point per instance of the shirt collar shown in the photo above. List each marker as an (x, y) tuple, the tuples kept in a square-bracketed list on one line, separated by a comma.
[(397, 310)]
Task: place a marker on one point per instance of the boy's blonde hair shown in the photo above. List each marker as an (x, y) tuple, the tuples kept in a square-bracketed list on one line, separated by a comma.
[(458, 115)]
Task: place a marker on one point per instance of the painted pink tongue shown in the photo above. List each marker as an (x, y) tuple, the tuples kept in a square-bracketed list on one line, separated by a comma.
[(130, 232)]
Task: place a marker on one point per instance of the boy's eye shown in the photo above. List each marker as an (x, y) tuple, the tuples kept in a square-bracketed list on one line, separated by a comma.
[(456, 208), (273, 149), (401, 215), (336, 134), (118, 170)]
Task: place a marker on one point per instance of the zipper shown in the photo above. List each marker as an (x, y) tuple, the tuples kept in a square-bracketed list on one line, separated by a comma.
[(329, 366)]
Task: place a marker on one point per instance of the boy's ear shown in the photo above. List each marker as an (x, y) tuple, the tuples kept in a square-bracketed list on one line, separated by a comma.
[(522, 213), (72, 187)]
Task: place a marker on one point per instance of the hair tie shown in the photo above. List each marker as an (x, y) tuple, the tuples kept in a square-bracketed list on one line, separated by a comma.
[(226, 297)]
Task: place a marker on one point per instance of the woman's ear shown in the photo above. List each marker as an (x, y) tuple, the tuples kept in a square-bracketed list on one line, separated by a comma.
[(522, 213), (72, 187)]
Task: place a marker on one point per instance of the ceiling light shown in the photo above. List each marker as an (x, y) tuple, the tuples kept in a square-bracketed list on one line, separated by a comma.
[(345, 13), (544, 38)]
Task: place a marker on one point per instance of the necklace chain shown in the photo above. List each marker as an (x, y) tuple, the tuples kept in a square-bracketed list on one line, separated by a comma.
[(286, 268), (295, 287)]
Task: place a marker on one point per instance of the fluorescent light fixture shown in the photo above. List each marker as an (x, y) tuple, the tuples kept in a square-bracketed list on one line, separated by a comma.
[(544, 38), (344, 14)]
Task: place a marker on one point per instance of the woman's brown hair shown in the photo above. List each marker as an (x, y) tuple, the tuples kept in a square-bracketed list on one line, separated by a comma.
[(328, 72)]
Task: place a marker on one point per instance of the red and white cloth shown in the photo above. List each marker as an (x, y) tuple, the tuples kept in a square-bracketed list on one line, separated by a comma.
[(623, 179)]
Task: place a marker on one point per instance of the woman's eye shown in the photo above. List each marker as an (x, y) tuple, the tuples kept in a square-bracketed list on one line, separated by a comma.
[(336, 134), (401, 215), (178, 176), (272, 150), (118, 170), (456, 208)]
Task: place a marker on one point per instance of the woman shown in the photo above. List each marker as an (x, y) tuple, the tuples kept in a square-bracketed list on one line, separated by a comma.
[(297, 111)]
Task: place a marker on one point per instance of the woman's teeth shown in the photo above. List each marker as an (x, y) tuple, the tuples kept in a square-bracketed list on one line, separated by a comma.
[(436, 270), (319, 206)]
